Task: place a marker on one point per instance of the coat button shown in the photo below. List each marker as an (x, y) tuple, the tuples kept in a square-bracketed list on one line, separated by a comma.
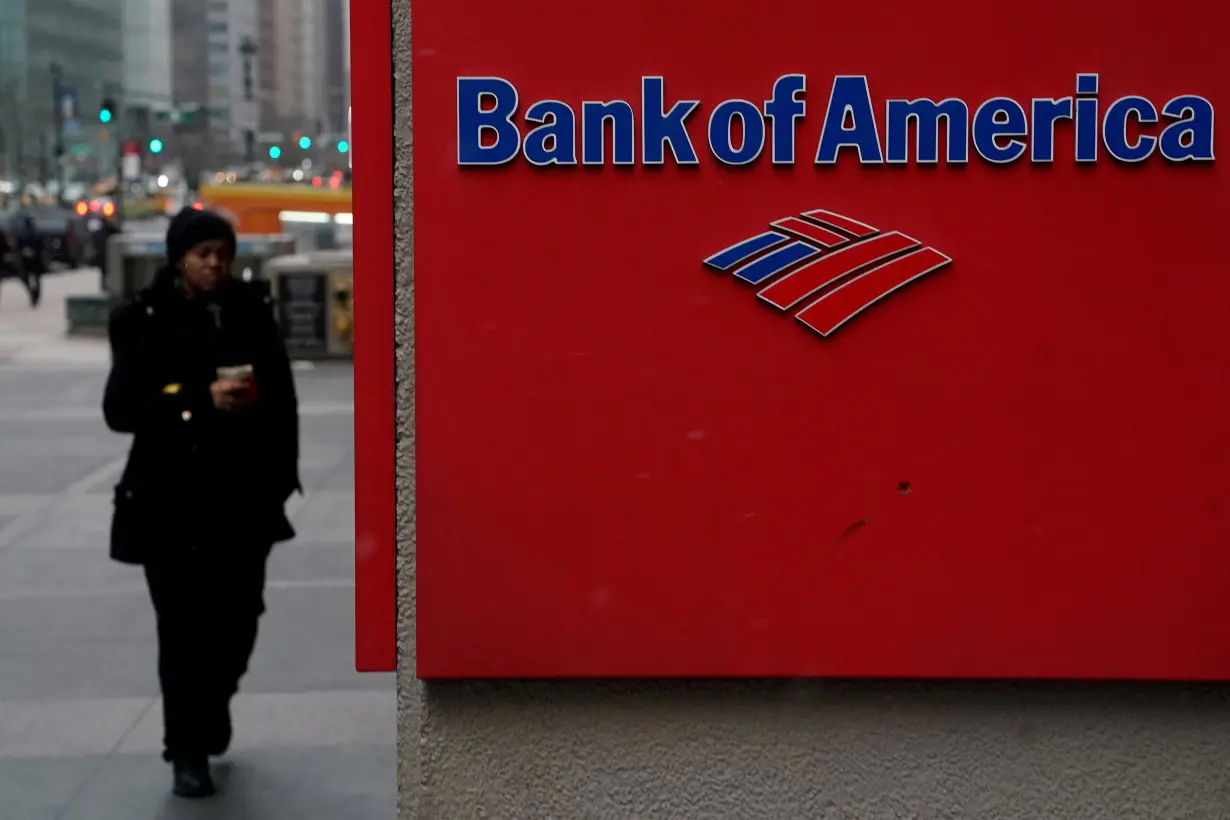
[(186, 415)]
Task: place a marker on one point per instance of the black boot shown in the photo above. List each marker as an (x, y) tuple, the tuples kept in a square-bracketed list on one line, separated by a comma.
[(220, 732), (192, 778)]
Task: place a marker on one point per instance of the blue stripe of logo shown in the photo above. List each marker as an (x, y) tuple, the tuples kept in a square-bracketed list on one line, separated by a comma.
[(727, 259), (776, 262)]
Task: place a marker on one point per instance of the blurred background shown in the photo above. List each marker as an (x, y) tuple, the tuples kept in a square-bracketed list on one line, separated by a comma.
[(128, 110), (192, 89), (114, 114)]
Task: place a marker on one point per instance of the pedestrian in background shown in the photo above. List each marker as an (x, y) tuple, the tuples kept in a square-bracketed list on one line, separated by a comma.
[(33, 253), (201, 378)]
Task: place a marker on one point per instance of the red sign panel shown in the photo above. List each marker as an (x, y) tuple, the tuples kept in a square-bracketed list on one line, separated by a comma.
[(815, 339), (375, 494)]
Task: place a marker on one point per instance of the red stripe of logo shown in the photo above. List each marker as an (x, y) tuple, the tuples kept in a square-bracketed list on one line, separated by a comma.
[(797, 286), (809, 232), (841, 223), (851, 298)]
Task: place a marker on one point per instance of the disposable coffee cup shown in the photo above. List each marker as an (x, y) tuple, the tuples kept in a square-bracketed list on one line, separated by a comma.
[(239, 373)]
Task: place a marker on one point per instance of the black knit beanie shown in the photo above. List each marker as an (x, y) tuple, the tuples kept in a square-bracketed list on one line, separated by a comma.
[(191, 227)]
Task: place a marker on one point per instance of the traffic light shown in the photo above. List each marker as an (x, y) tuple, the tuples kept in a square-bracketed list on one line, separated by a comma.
[(274, 152), (343, 146), (305, 142), (107, 112), (155, 146)]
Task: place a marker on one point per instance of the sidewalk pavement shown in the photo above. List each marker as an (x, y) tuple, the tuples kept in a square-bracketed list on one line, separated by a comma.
[(80, 722), (36, 336)]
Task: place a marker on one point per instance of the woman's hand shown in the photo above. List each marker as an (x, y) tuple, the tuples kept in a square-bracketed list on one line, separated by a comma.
[(228, 393)]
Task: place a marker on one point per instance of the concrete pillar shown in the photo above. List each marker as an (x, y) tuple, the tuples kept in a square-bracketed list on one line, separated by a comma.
[(777, 750)]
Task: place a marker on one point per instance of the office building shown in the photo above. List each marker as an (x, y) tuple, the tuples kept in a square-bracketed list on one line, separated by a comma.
[(147, 69), (336, 33), (147, 54), (215, 69), (293, 57), (83, 41)]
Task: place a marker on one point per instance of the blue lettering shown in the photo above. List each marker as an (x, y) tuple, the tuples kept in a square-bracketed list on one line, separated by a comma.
[(486, 105), (721, 137), (1001, 129), (1086, 118), (594, 116), (850, 97), (927, 114), (1045, 114), (660, 128), (995, 119), (554, 141), (784, 109), (1195, 118), (1115, 125)]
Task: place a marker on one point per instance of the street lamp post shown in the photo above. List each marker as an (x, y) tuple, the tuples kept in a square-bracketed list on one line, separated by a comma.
[(120, 132), (57, 108), (247, 50)]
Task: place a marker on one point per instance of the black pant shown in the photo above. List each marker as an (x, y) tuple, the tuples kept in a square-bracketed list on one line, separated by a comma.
[(208, 605), (14, 267), (34, 286)]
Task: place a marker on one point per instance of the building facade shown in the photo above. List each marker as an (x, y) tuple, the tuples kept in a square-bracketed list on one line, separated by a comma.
[(147, 53), (147, 68), (267, 59), (293, 59), (189, 53), (75, 46), (216, 72), (803, 748), (336, 33), (312, 66)]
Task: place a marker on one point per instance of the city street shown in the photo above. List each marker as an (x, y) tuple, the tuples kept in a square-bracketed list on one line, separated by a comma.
[(80, 722)]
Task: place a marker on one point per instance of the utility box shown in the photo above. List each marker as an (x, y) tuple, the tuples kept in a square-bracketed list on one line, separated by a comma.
[(315, 307)]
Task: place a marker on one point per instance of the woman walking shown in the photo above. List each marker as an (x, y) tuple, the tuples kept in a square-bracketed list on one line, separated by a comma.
[(201, 379)]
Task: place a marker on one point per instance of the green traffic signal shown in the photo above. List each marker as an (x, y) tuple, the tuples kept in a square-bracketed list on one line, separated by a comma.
[(155, 146), (343, 147), (305, 143), (274, 152), (104, 116)]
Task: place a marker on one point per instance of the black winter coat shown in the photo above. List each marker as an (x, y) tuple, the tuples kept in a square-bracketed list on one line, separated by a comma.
[(198, 478)]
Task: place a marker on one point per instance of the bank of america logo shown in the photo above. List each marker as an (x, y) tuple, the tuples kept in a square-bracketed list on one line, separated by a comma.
[(833, 266)]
